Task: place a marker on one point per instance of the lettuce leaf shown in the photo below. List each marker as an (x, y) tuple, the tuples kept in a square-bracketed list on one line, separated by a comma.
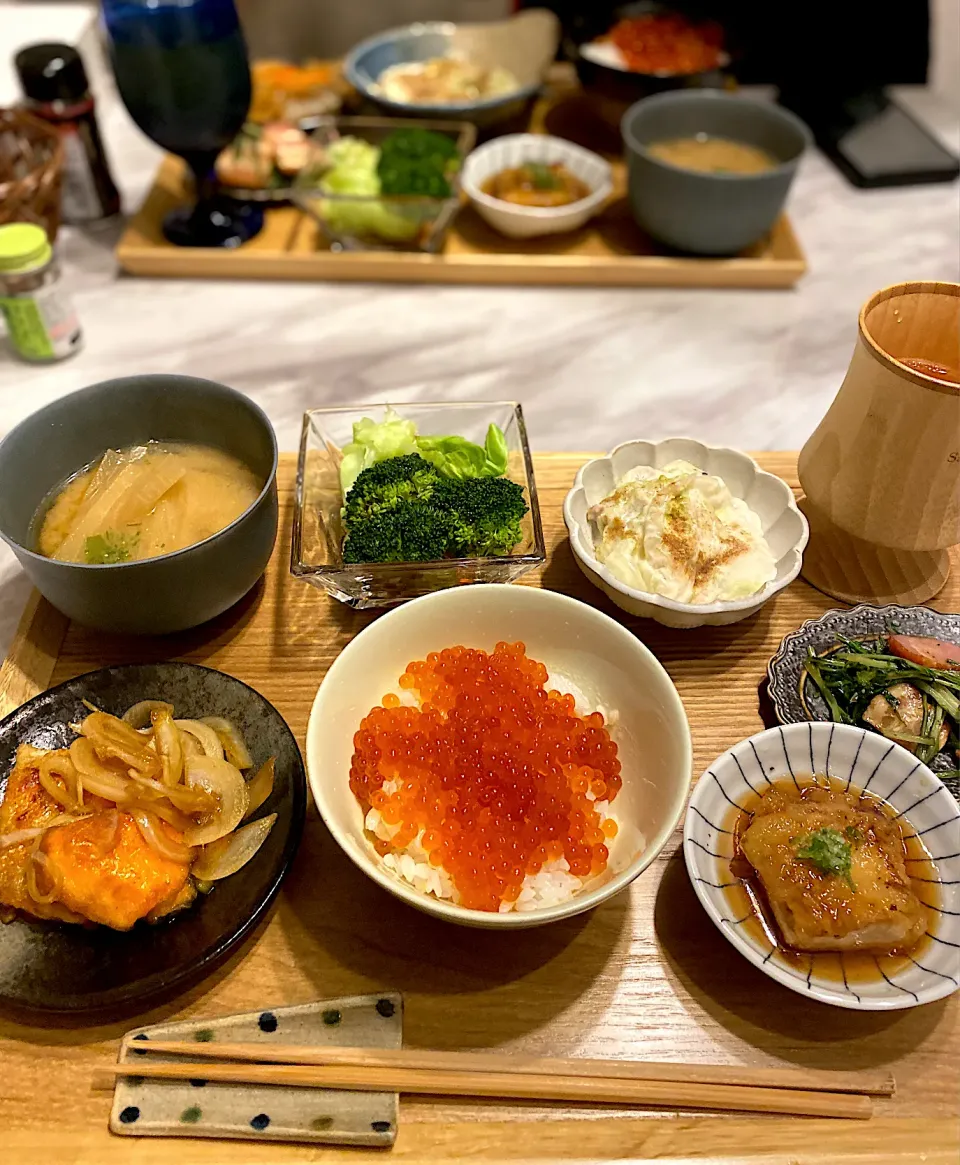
[(354, 171), (376, 441), (453, 456)]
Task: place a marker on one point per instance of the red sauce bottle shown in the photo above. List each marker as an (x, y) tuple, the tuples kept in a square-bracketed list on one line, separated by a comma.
[(55, 84)]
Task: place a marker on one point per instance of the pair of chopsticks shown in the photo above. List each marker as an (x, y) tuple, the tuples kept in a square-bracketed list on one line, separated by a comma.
[(720, 1088)]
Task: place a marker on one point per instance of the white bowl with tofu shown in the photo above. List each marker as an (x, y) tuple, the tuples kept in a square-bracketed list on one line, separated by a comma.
[(827, 856), (684, 588)]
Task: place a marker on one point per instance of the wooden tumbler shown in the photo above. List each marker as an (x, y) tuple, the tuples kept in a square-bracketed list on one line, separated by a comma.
[(881, 473)]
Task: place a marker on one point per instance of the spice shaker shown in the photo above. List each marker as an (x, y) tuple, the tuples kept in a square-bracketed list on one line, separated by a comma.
[(41, 321), (55, 84)]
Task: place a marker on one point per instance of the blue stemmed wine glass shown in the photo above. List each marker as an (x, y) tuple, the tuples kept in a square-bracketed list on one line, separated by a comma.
[(182, 71)]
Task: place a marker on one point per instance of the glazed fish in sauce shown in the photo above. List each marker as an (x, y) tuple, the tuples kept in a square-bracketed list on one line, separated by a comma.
[(832, 869)]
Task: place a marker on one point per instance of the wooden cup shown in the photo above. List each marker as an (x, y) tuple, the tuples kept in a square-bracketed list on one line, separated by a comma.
[(881, 473)]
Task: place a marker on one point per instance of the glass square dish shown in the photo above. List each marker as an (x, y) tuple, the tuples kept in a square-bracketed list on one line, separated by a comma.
[(398, 222), (318, 531)]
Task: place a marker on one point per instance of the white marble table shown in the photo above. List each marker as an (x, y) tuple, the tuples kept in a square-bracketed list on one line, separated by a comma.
[(592, 367)]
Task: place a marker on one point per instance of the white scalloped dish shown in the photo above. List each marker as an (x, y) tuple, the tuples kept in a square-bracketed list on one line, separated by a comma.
[(784, 527)]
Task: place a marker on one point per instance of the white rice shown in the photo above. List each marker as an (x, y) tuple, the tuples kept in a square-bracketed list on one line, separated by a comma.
[(550, 886)]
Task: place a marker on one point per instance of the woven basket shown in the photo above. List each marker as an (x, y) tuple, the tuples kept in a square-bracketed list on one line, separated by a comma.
[(31, 159)]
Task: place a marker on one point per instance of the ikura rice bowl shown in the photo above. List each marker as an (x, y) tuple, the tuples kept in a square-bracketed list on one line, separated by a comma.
[(487, 782)]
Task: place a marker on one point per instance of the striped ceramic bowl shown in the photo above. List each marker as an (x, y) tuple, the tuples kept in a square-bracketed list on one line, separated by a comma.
[(866, 762), (525, 222)]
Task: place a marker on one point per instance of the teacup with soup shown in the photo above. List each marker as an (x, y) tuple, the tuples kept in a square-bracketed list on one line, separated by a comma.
[(709, 172), (146, 504)]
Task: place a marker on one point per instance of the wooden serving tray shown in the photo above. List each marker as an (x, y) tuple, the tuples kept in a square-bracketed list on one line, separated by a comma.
[(644, 976), (611, 250)]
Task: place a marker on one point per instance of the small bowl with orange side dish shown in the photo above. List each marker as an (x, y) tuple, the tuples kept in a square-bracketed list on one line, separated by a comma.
[(525, 185), (471, 790)]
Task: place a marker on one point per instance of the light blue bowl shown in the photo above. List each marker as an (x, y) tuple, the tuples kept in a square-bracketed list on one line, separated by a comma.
[(368, 60)]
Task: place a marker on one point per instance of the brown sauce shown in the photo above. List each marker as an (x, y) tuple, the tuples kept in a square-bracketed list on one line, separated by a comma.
[(932, 368), (747, 897), (536, 184)]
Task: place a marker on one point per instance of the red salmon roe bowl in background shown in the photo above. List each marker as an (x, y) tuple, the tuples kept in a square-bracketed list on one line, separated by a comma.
[(499, 756)]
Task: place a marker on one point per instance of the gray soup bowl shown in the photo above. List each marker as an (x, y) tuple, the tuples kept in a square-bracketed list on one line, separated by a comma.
[(709, 214), (158, 595)]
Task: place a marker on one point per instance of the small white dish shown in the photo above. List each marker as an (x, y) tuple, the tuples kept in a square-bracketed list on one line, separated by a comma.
[(784, 527), (871, 763), (607, 664), (526, 222)]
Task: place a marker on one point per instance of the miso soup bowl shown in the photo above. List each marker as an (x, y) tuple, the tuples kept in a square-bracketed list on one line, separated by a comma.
[(709, 213), (157, 595)]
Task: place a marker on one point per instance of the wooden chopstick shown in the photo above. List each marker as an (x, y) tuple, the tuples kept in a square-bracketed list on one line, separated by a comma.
[(576, 1089), (805, 1079)]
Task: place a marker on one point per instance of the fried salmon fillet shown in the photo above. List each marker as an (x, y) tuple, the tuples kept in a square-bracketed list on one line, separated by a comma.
[(869, 906), (26, 805), (106, 871)]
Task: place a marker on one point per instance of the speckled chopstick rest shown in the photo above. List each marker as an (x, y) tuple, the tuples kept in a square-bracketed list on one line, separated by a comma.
[(196, 1108)]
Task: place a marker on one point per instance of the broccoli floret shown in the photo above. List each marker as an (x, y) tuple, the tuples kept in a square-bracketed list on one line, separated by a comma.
[(388, 483), (402, 510), (488, 512), (411, 532)]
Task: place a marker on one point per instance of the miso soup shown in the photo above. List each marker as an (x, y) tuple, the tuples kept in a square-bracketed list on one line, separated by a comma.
[(713, 155), (142, 502)]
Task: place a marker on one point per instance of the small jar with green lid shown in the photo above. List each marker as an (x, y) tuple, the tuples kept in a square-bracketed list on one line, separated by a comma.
[(42, 325)]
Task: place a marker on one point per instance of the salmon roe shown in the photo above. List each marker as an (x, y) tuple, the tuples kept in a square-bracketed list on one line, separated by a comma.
[(491, 772)]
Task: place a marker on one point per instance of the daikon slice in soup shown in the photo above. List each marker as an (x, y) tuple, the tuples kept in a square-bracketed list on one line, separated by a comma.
[(142, 502)]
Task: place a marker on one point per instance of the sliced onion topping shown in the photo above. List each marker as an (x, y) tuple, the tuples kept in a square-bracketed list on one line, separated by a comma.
[(167, 739), (209, 741), (39, 861), (223, 782), (19, 836), (233, 743), (95, 776), (160, 838), (59, 776), (111, 737), (260, 787), (222, 858), (182, 798), (139, 715)]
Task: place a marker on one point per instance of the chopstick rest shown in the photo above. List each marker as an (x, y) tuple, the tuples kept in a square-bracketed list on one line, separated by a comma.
[(200, 1106)]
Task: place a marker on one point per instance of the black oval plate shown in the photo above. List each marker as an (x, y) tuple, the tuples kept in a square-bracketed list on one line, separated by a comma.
[(55, 967), (793, 694)]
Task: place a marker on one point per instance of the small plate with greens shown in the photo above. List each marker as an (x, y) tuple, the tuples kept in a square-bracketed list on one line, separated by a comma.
[(894, 670), (383, 184)]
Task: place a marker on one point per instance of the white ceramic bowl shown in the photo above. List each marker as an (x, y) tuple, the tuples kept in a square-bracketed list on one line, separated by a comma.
[(784, 527), (526, 222), (868, 761), (603, 660)]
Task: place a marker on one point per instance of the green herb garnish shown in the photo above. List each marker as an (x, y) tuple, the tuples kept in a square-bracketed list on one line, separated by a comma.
[(851, 833), (108, 548), (827, 850), (542, 176)]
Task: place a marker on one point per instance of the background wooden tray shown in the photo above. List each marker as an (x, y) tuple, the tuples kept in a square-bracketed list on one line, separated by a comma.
[(646, 975), (611, 250)]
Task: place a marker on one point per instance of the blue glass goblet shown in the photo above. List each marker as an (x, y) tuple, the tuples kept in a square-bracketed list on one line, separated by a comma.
[(182, 71)]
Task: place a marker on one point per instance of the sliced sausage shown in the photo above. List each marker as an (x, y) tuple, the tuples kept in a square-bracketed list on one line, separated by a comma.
[(935, 653)]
